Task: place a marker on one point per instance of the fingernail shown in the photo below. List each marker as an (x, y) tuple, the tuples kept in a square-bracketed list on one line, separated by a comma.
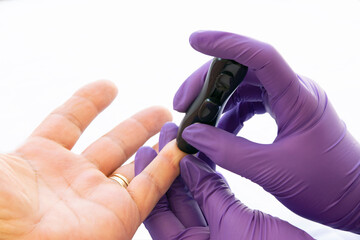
[(191, 132)]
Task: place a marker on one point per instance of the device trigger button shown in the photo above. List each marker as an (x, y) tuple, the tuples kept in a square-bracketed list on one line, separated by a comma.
[(223, 81), (208, 111)]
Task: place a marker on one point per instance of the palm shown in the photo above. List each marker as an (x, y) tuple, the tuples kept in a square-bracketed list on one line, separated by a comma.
[(70, 203), (48, 192)]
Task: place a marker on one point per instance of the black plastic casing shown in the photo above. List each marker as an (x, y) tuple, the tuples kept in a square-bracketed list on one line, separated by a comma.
[(223, 78)]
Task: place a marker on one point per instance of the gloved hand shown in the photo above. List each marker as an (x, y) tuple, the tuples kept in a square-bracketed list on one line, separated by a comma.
[(313, 165), (178, 216)]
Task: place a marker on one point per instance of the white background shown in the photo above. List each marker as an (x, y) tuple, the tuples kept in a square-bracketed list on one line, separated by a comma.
[(50, 48)]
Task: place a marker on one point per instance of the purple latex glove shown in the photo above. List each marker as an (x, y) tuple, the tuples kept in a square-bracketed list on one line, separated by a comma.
[(313, 165), (178, 216)]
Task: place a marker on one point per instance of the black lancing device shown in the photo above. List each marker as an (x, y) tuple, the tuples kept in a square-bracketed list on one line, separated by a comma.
[(222, 79)]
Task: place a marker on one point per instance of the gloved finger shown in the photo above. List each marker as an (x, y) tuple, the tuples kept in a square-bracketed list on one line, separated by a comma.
[(161, 222), (178, 198), (270, 68), (190, 89), (143, 157), (233, 120), (236, 154), (167, 133)]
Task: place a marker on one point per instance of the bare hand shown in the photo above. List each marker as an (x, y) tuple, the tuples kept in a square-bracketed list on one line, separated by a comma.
[(48, 192)]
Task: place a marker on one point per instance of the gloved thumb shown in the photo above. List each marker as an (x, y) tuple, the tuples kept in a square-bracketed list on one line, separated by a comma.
[(236, 154)]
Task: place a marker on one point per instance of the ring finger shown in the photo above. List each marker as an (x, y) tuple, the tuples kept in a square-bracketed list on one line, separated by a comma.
[(114, 148)]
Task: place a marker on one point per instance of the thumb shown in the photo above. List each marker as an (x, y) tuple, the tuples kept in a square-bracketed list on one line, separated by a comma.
[(236, 154)]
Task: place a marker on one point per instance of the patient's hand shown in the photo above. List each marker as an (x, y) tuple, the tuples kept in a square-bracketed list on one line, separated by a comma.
[(49, 192)]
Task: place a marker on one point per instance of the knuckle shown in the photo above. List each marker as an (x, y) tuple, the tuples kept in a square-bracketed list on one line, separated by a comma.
[(149, 176)]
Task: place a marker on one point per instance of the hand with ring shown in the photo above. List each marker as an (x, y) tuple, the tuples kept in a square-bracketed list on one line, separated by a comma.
[(49, 192)]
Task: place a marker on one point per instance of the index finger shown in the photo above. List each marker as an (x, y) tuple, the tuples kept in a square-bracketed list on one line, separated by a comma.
[(270, 68), (147, 188)]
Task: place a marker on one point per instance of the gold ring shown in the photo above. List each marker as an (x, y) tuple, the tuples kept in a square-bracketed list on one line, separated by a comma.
[(120, 179)]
